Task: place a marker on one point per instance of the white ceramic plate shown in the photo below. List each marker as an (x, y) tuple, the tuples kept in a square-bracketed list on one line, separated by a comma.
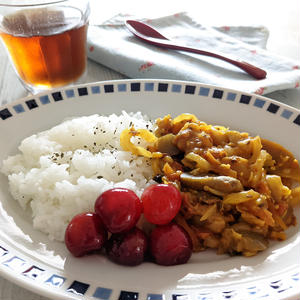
[(29, 259)]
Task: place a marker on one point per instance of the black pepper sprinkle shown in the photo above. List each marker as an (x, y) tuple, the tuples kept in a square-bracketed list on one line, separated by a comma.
[(95, 143), (158, 178), (119, 173), (99, 177)]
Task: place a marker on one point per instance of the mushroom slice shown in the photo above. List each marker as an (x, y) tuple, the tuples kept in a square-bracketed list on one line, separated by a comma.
[(165, 144)]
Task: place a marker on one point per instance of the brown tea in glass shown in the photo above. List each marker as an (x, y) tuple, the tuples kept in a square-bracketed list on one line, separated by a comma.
[(47, 45)]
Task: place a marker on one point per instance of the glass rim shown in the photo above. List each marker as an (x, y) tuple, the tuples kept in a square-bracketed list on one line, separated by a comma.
[(34, 3)]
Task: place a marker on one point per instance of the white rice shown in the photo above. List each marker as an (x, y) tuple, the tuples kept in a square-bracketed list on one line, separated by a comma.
[(61, 172)]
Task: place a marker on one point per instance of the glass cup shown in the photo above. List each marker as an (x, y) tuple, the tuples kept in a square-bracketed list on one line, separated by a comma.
[(45, 40)]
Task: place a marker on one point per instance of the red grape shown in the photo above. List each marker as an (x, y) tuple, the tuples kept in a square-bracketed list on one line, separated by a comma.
[(119, 209), (84, 234), (161, 203), (170, 245)]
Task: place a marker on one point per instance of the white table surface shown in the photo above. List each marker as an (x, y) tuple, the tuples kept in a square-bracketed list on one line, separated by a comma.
[(282, 18)]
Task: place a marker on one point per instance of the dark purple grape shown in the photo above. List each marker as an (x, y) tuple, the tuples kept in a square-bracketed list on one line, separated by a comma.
[(170, 245), (127, 248)]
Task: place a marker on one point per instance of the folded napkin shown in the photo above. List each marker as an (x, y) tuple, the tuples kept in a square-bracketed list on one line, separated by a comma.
[(112, 45)]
